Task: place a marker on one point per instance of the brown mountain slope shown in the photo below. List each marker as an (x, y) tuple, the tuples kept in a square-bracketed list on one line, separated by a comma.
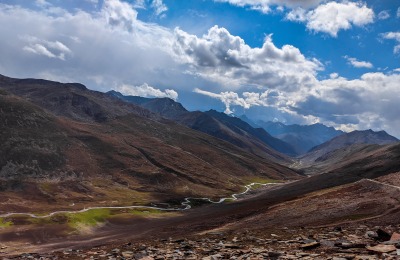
[(62, 162), (72, 100), (220, 125), (336, 198)]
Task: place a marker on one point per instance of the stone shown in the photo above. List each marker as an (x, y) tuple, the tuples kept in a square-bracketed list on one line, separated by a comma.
[(310, 245), (231, 246), (146, 258), (365, 257), (395, 237), (382, 248), (337, 229), (371, 234), (350, 245), (127, 254), (383, 235)]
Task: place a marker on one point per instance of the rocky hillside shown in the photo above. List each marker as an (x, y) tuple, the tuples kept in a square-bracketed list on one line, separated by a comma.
[(66, 145)]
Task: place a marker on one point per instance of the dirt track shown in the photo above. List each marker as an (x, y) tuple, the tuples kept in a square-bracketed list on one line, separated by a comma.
[(247, 214)]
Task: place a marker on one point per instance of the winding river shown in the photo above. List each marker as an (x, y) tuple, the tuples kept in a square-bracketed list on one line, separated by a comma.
[(185, 205)]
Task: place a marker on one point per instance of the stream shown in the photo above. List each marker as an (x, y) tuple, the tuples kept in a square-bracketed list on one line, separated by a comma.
[(185, 205)]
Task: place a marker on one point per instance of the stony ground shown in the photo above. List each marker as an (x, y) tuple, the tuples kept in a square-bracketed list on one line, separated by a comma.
[(336, 243)]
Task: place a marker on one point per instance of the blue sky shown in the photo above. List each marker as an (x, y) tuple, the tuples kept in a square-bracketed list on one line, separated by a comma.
[(333, 62)]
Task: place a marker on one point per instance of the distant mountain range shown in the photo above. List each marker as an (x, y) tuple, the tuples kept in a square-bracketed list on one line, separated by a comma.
[(266, 139), (301, 137)]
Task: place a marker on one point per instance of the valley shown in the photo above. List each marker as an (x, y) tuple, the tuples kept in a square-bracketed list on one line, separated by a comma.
[(84, 171)]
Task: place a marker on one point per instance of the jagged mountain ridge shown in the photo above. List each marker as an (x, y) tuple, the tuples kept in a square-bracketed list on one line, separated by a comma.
[(301, 137), (220, 125)]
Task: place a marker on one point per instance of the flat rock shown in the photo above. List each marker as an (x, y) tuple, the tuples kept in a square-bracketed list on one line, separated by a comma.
[(310, 245), (350, 245), (395, 237), (382, 248)]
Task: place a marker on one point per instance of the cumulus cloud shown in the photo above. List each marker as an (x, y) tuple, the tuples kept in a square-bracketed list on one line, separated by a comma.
[(119, 13), (393, 36), (145, 90), (368, 102), (358, 64), (332, 17), (111, 47), (105, 48), (264, 6), (383, 15), (268, 98), (221, 57)]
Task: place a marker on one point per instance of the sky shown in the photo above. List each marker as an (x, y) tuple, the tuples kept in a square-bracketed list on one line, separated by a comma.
[(293, 61)]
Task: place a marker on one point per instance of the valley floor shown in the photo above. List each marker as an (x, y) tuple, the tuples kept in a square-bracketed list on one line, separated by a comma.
[(352, 221), (362, 242)]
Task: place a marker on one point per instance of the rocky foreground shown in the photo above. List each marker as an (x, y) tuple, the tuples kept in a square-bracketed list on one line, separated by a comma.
[(336, 243)]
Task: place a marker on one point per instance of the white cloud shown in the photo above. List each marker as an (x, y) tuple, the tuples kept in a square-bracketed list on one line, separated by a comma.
[(268, 98), (42, 3), (145, 90), (264, 6), (139, 4), (105, 48), (334, 75), (368, 102), (39, 49), (398, 13), (221, 57), (332, 17), (159, 7), (383, 15), (358, 64), (112, 48), (51, 49), (393, 36), (119, 13)]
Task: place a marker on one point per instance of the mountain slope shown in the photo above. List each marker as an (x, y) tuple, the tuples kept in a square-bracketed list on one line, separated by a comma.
[(337, 151), (130, 157), (348, 139), (301, 137), (238, 125), (219, 125)]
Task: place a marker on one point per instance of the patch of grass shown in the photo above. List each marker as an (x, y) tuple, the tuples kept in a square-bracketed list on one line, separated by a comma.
[(91, 217), (145, 212), (261, 180), (5, 224)]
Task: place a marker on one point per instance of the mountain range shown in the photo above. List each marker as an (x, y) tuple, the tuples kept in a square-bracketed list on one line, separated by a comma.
[(66, 142), (217, 124), (68, 148), (301, 137)]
